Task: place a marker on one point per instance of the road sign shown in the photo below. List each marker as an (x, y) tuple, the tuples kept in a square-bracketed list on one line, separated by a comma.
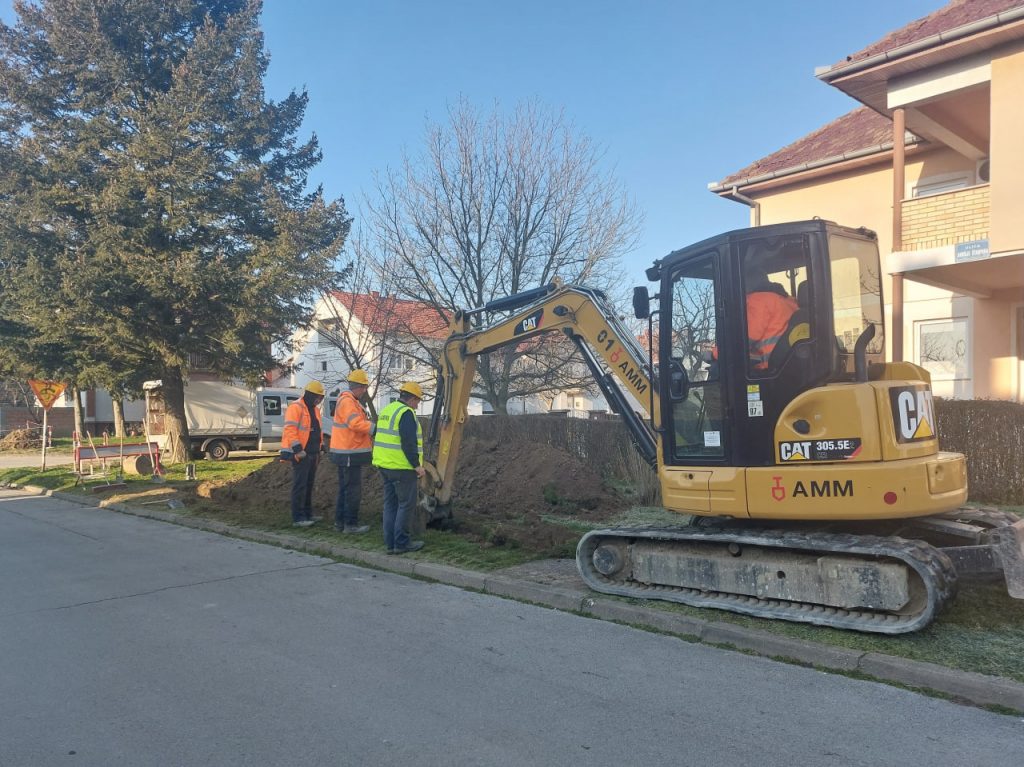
[(46, 391)]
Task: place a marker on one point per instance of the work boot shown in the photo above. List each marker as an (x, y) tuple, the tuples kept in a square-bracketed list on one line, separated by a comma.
[(412, 546), (355, 529)]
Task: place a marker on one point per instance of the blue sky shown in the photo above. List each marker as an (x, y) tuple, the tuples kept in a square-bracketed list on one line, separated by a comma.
[(678, 94)]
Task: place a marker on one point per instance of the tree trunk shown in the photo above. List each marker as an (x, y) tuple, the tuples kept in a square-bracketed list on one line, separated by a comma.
[(118, 405), (175, 425), (76, 399)]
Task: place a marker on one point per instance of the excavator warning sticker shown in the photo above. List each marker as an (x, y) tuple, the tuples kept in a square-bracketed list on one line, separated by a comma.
[(913, 413), (819, 450)]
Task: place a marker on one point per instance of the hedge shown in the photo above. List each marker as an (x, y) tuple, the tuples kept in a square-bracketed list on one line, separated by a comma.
[(989, 432)]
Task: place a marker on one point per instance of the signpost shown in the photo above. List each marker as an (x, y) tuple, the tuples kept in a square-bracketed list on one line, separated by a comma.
[(46, 392)]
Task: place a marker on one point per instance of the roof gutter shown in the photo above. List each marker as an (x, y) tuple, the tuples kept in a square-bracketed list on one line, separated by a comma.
[(731, 186), (830, 73)]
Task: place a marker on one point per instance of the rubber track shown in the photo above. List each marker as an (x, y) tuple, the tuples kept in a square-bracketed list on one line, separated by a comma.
[(932, 566)]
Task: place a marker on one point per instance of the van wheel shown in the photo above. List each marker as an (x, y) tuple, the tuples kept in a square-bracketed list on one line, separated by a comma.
[(218, 450)]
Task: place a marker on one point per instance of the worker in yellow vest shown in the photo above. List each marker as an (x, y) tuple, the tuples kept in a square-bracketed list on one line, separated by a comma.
[(398, 453), (301, 443), (350, 451)]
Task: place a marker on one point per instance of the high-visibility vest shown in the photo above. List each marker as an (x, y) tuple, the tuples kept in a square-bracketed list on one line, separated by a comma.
[(387, 442), (297, 425), (350, 435), (767, 318)]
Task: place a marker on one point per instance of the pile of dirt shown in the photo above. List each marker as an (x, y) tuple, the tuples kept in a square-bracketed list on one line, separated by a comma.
[(21, 439), (505, 494)]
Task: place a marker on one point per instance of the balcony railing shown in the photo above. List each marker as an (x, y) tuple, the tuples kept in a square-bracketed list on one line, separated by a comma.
[(946, 219)]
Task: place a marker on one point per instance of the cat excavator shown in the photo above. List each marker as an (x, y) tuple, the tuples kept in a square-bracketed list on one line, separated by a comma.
[(807, 466)]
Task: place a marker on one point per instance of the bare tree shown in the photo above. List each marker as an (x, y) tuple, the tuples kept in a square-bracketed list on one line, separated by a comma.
[(372, 329), (495, 205)]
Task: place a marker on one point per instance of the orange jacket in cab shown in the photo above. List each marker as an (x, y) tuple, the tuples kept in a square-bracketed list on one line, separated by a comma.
[(767, 317)]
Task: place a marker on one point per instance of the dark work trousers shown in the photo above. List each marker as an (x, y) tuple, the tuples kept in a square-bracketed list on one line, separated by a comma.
[(303, 475), (399, 499), (350, 493)]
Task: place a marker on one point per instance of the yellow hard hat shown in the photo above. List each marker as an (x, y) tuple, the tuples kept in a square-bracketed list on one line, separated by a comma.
[(316, 387), (359, 377), (413, 388)]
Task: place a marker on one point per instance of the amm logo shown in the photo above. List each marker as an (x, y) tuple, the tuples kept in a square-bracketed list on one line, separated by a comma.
[(913, 413), (824, 489)]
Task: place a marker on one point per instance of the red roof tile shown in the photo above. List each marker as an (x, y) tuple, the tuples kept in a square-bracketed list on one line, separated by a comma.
[(860, 129), (951, 16), (382, 314)]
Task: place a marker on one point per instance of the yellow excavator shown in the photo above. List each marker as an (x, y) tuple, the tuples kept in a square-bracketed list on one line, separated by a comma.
[(810, 465)]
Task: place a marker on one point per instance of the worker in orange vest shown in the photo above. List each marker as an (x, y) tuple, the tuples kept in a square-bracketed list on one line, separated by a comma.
[(351, 449), (301, 445), (769, 308)]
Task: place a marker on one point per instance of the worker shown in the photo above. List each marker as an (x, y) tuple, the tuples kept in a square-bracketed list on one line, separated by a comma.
[(301, 446), (398, 453), (769, 308), (351, 449)]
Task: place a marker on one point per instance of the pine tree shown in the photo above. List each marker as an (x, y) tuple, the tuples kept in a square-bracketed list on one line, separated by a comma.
[(153, 194)]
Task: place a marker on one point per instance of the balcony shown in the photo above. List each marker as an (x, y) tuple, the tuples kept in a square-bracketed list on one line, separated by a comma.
[(948, 218)]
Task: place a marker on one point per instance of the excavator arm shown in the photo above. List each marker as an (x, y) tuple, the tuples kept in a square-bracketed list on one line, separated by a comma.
[(585, 316)]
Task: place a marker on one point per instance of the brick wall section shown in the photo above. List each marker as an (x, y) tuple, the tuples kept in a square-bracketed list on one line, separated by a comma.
[(946, 219), (61, 419)]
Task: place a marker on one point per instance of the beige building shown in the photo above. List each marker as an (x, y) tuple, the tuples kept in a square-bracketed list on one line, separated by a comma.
[(933, 161)]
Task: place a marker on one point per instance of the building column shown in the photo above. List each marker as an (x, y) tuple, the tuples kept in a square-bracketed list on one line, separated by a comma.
[(897, 318), (899, 131)]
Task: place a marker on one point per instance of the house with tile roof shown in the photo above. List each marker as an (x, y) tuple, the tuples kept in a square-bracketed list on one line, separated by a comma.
[(394, 340), (932, 160)]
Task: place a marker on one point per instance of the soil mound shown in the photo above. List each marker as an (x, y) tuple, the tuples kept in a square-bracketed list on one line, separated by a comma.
[(21, 439), (505, 494)]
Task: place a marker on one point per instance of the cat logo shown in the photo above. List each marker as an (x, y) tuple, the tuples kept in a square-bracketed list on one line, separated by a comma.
[(529, 323), (795, 451), (913, 413)]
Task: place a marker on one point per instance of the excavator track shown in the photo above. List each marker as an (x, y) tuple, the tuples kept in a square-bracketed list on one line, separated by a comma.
[(622, 562)]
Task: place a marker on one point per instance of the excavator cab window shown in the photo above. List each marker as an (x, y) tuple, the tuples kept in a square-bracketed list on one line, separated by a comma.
[(856, 300), (697, 400), (777, 291)]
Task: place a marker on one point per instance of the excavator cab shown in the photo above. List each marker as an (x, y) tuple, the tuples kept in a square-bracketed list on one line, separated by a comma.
[(754, 318)]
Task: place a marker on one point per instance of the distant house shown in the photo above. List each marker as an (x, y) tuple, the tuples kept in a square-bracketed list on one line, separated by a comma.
[(394, 340), (933, 161)]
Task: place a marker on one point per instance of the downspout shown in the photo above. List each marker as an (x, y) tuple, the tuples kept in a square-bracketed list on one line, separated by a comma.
[(754, 205)]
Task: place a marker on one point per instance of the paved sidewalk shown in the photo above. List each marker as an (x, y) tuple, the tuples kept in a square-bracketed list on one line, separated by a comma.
[(555, 583)]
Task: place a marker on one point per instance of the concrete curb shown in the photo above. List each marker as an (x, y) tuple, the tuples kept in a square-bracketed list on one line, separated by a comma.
[(970, 687)]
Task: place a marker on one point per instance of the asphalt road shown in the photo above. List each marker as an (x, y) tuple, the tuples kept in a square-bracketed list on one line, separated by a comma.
[(125, 641)]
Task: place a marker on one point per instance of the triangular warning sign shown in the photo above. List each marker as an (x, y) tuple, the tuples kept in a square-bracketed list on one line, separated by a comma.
[(924, 430), (46, 391)]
